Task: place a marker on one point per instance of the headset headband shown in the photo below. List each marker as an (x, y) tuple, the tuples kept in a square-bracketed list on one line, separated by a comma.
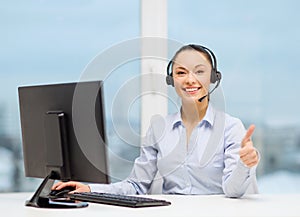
[(215, 74)]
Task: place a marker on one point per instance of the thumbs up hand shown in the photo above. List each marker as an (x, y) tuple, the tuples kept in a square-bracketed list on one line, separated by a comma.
[(248, 153)]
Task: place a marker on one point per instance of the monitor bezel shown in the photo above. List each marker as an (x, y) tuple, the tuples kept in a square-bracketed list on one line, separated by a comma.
[(62, 107)]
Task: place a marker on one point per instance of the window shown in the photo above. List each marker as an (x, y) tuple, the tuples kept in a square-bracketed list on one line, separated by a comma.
[(53, 42)]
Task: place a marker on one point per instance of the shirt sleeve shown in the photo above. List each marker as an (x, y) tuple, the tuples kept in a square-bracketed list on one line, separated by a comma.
[(123, 187), (143, 172), (238, 179)]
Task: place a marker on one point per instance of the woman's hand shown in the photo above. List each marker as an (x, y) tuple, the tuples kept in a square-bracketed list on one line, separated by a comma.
[(79, 187), (248, 153)]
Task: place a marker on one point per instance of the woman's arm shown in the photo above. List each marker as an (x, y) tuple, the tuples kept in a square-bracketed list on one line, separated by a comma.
[(241, 159)]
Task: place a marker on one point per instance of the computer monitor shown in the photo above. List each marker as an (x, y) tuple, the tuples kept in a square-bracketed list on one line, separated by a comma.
[(63, 135)]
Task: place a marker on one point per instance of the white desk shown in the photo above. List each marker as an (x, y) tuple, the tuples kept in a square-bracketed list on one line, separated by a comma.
[(12, 204)]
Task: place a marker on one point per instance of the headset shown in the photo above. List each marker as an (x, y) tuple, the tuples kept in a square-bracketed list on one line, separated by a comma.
[(215, 74)]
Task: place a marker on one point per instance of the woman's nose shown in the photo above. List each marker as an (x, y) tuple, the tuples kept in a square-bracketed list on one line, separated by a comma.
[(191, 78)]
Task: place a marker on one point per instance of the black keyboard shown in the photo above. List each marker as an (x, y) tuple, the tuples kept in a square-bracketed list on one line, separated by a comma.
[(118, 200)]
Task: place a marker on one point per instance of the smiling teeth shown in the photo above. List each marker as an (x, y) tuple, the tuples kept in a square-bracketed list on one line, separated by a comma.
[(191, 89)]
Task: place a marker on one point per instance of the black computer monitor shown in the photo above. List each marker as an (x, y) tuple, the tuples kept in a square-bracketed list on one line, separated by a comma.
[(63, 135)]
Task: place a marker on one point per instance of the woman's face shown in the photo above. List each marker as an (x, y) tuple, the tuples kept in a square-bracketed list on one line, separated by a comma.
[(191, 73)]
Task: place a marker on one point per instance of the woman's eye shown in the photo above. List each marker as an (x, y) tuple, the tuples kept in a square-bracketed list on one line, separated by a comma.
[(199, 72), (180, 72)]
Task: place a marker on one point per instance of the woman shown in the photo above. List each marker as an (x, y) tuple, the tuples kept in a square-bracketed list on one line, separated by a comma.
[(198, 150)]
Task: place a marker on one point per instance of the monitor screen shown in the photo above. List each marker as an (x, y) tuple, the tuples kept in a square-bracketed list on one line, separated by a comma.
[(63, 131)]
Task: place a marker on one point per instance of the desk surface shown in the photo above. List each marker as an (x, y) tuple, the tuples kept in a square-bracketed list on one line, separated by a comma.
[(12, 204)]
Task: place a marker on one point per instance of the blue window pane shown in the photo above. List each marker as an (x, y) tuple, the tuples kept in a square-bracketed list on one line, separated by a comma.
[(53, 42)]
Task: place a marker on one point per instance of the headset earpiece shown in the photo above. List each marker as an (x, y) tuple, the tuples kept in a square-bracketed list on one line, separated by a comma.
[(215, 76), (169, 77), (170, 80), (219, 75)]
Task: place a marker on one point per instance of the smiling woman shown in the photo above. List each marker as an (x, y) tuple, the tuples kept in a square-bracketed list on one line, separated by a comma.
[(197, 150), (260, 80), (53, 41)]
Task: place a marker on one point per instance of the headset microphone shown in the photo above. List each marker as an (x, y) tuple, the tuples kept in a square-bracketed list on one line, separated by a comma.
[(203, 97)]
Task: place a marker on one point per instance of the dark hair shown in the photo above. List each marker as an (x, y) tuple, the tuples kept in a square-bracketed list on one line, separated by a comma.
[(199, 48)]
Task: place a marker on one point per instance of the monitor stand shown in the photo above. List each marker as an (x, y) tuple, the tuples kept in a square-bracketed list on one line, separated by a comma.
[(57, 164), (40, 198)]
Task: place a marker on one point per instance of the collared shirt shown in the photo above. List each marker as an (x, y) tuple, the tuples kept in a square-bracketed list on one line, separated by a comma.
[(208, 163)]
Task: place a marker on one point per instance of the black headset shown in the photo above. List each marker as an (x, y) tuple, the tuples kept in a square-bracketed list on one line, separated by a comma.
[(215, 74)]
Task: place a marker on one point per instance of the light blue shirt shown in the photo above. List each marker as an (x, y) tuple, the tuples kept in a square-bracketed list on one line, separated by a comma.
[(208, 164)]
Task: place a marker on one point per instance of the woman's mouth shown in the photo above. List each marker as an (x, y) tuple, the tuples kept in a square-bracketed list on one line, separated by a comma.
[(192, 90)]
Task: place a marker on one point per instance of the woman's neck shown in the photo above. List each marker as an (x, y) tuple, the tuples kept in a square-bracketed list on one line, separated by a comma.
[(193, 113)]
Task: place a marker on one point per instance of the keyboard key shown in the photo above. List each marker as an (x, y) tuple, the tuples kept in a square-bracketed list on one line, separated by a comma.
[(118, 200)]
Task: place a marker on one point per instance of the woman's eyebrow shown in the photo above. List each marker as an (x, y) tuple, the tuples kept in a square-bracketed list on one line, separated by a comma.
[(195, 67), (180, 67), (200, 65)]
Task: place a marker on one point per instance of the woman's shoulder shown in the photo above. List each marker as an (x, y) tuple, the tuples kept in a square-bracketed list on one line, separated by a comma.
[(229, 120), (234, 126), (160, 124), (168, 119)]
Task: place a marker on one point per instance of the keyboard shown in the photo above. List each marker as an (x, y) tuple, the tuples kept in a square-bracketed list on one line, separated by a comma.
[(117, 200)]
